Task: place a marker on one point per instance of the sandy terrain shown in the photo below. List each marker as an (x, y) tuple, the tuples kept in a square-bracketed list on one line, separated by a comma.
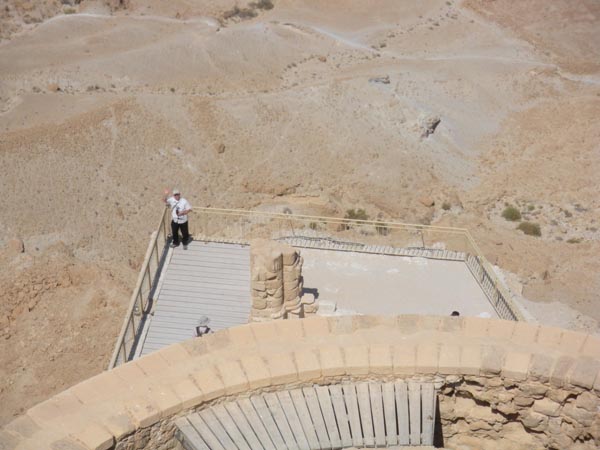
[(317, 106)]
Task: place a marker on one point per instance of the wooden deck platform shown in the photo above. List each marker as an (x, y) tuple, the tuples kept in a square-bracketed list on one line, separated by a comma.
[(208, 279), (349, 415)]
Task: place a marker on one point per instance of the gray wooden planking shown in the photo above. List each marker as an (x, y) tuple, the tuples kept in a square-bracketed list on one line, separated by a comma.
[(305, 419), (208, 279), (269, 422), (364, 406), (402, 413), (281, 421), (353, 414), (414, 407), (231, 427), (312, 403), (329, 416), (377, 413), (317, 418), (293, 419)]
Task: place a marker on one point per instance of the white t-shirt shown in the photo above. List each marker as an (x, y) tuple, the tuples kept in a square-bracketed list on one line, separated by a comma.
[(180, 205)]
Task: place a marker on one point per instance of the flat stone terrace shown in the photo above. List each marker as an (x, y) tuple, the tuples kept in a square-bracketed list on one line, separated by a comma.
[(212, 279)]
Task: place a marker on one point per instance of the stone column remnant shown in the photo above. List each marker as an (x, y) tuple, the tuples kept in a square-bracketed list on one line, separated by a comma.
[(276, 271)]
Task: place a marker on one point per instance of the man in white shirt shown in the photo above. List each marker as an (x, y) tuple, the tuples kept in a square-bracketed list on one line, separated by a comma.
[(180, 208)]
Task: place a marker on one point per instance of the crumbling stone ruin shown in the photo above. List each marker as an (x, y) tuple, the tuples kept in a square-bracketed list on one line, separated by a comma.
[(276, 271)]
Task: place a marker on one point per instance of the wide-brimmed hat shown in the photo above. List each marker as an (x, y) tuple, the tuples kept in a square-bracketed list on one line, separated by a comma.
[(176, 191)]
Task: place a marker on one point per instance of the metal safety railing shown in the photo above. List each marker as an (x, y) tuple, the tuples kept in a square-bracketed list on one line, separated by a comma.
[(370, 236), (142, 295)]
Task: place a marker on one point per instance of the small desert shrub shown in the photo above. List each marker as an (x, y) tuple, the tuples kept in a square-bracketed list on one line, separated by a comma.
[(574, 241), (69, 11), (382, 230), (262, 4), (313, 225), (356, 214), (511, 213), (530, 207), (446, 206), (530, 229), (240, 13)]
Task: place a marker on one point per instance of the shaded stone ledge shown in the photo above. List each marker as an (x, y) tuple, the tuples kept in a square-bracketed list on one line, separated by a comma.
[(146, 393)]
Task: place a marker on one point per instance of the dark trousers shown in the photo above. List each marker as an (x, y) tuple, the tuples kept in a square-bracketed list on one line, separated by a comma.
[(175, 227)]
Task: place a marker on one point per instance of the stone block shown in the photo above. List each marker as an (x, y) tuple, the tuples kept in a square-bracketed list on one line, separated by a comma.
[(174, 354), (291, 293), (316, 327), (209, 383), (356, 358), (404, 358), (380, 359), (23, 426), (427, 358), (571, 342), (492, 359), (534, 421), (256, 371), (259, 303), (241, 336), (95, 437), (167, 401), (408, 324), (584, 372), (152, 364), (591, 347), (331, 360), (189, 394), (588, 401), (525, 333), (54, 442), (470, 359), (130, 373), (307, 363), (501, 329), (547, 407), (233, 376), (265, 332), (516, 365), (475, 327), (549, 336), (142, 411), (561, 370), (432, 323), (282, 369), (9, 440), (579, 415), (289, 256), (541, 367), (452, 324), (292, 331), (449, 359)]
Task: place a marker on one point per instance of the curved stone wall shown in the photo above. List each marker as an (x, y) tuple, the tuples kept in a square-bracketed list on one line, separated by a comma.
[(502, 384)]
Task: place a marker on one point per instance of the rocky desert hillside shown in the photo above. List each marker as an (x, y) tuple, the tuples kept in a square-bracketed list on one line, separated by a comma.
[(441, 112)]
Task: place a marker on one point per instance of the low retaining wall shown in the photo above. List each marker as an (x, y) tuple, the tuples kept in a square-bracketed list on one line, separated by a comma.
[(502, 383)]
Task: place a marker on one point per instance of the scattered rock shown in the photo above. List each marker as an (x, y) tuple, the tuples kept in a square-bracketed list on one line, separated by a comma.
[(53, 87), (428, 124), (221, 149), (322, 59), (15, 246), (427, 201), (383, 80)]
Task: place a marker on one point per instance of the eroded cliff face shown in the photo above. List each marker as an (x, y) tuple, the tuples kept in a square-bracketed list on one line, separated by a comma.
[(310, 106)]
